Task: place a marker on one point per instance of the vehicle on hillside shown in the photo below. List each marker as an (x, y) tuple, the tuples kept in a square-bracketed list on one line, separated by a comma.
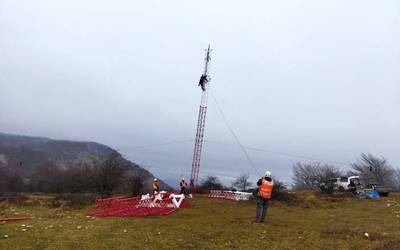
[(341, 184)]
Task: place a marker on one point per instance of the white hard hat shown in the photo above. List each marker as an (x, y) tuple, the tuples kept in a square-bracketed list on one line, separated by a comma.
[(268, 174), (183, 178), (155, 179)]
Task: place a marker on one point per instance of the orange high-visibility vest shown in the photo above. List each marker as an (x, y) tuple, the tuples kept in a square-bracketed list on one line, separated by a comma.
[(156, 185), (265, 190), (183, 183)]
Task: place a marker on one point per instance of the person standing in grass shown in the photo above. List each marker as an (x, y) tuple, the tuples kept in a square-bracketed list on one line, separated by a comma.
[(183, 186), (265, 185), (156, 186)]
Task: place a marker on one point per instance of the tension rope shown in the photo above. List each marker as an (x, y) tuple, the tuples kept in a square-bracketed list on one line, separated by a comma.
[(233, 133)]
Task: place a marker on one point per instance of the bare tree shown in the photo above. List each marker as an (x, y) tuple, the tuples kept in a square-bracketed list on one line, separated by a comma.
[(372, 169), (396, 177), (279, 189), (77, 178), (3, 179), (107, 173), (15, 182), (135, 183), (49, 178), (311, 175), (242, 182), (210, 183)]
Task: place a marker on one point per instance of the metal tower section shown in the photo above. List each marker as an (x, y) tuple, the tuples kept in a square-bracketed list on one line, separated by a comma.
[(204, 84)]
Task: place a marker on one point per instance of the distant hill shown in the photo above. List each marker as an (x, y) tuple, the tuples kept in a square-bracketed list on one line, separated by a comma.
[(27, 153)]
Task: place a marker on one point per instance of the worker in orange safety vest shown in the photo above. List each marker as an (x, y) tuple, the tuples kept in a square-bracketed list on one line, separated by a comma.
[(265, 186), (156, 186)]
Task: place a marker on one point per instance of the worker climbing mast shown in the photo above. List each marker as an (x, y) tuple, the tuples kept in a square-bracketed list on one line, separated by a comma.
[(203, 83)]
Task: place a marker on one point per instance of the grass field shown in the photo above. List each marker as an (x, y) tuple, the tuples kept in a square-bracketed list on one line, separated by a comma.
[(315, 223)]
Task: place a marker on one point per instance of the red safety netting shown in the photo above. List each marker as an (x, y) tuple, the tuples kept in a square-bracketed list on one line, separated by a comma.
[(158, 205)]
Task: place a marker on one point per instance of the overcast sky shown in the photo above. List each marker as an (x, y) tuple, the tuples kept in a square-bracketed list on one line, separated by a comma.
[(294, 78)]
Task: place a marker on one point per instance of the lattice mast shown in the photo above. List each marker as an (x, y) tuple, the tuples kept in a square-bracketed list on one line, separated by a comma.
[(204, 84)]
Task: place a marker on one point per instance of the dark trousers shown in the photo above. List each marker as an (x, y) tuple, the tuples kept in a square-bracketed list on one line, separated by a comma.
[(183, 190), (261, 211)]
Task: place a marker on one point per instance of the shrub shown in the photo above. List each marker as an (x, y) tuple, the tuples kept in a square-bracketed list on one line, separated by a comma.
[(281, 193), (73, 200)]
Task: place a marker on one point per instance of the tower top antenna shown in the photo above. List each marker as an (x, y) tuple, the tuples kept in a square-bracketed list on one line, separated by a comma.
[(205, 79)]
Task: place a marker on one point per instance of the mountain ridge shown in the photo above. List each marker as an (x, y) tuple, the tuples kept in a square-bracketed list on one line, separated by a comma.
[(29, 152)]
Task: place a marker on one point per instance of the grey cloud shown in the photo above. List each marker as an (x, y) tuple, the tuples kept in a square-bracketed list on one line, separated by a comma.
[(303, 77)]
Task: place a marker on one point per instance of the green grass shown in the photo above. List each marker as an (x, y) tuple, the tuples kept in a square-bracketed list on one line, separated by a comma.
[(317, 223)]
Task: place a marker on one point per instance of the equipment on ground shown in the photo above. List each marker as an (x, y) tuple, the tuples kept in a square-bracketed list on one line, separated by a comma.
[(381, 190), (162, 204), (14, 219), (352, 183), (230, 195)]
